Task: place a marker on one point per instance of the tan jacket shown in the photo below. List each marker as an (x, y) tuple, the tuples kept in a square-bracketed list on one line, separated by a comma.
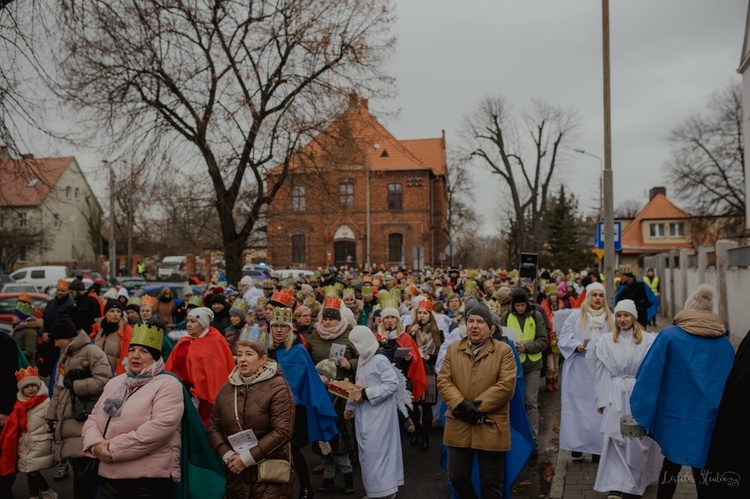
[(68, 442), (491, 378), (35, 446)]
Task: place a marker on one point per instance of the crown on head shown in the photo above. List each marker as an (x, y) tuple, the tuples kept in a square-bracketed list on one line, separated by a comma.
[(24, 307), (366, 289), (195, 301), (148, 300), (134, 300), (348, 292), (62, 283), (241, 304), (147, 335), (330, 290), (425, 305), (27, 373), (282, 298), (626, 269), (267, 284), (332, 302), (25, 297), (254, 333), (281, 314), (339, 286)]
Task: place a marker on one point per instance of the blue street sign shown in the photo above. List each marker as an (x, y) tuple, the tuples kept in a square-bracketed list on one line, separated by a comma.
[(600, 236)]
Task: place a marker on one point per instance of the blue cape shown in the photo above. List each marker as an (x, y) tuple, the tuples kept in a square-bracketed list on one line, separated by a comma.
[(521, 439), (653, 309), (677, 392), (308, 390)]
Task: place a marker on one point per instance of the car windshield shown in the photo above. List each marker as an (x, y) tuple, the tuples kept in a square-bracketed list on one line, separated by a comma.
[(169, 265)]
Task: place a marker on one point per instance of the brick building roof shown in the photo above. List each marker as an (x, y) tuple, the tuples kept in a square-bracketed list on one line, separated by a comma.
[(659, 208), (353, 133), (27, 181)]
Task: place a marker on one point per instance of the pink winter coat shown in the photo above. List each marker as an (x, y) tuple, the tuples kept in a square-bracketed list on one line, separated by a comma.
[(145, 439)]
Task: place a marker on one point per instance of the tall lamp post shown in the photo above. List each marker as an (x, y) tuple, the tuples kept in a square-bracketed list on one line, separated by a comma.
[(601, 178), (609, 218), (367, 201)]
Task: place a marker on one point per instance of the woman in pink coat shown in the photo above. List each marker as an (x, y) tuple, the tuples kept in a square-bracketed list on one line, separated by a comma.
[(134, 429)]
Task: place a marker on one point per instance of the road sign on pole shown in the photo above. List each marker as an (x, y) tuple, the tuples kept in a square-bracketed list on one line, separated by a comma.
[(600, 236)]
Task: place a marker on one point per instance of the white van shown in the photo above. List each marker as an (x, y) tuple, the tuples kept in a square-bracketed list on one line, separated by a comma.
[(44, 277), (172, 267)]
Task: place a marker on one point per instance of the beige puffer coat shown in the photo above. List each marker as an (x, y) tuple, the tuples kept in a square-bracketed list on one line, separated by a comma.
[(79, 353), (35, 447)]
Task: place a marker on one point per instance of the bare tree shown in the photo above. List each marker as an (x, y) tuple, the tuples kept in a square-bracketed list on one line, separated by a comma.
[(525, 154), (708, 157), (229, 88), (628, 209), (463, 221)]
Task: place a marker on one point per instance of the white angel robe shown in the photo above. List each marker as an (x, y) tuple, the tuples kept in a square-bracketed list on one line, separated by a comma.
[(627, 465), (579, 420), (377, 427)]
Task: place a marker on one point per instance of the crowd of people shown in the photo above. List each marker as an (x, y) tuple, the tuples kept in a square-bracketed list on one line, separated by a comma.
[(221, 390)]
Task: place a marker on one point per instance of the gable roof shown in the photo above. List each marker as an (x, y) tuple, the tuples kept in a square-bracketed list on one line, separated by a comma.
[(659, 208), (27, 181), (358, 131)]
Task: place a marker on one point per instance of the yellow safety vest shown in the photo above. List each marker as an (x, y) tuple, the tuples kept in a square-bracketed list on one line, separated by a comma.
[(653, 284), (527, 334)]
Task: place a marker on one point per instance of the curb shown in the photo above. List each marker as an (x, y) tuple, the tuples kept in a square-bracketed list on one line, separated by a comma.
[(557, 489)]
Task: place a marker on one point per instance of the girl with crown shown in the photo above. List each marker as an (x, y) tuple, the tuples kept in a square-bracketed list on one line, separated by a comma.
[(25, 444)]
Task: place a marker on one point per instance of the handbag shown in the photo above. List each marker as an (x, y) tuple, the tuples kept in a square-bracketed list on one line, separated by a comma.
[(274, 471), (82, 407), (91, 470)]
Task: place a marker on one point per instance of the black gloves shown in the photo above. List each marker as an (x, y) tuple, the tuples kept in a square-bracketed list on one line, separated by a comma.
[(68, 383), (468, 412)]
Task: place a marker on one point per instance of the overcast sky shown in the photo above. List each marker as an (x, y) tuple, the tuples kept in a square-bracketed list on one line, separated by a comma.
[(667, 58)]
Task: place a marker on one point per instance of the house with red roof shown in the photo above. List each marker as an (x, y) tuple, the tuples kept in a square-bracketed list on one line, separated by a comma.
[(356, 179), (48, 212), (658, 228)]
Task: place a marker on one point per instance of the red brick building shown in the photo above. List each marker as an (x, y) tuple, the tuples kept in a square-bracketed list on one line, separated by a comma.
[(319, 217)]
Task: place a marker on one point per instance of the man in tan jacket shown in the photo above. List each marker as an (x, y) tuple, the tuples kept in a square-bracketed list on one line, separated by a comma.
[(477, 381)]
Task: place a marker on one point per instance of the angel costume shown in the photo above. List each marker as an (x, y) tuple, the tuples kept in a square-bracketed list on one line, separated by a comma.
[(627, 465)]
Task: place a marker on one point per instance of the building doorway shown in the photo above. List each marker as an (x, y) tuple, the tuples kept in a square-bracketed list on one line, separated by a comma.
[(344, 252)]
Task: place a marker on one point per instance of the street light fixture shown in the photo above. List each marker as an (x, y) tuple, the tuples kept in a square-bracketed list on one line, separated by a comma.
[(367, 201)]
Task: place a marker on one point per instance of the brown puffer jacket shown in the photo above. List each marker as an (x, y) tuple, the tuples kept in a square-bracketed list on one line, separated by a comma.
[(79, 353), (265, 405)]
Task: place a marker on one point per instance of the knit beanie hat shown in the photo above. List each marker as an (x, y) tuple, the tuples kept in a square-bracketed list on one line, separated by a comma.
[(389, 312), (626, 306), (203, 315), (112, 303), (701, 299), (482, 311), (519, 295), (77, 285), (63, 329)]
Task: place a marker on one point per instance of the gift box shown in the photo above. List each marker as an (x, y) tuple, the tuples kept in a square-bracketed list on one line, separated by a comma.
[(343, 389)]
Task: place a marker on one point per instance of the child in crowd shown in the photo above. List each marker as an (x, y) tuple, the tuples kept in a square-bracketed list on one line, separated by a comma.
[(25, 444)]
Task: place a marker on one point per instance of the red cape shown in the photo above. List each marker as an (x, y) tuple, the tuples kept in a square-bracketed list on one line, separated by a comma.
[(416, 372), (208, 365)]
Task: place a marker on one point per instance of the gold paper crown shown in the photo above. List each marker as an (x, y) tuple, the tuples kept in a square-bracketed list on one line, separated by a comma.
[(339, 286), (281, 314), (348, 292), (626, 269), (254, 333), (550, 289), (330, 290), (148, 300), (134, 300), (241, 304), (62, 283), (195, 300), (366, 289), (147, 336)]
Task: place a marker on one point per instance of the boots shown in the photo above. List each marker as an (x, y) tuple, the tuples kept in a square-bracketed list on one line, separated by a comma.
[(550, 383), (327, 485), (424, 441), (348, 483), (556, 384), (49, 494)]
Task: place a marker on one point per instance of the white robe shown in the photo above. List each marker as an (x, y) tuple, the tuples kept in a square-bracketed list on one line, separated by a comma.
[(627, 465), (579, 420), (377, 428)]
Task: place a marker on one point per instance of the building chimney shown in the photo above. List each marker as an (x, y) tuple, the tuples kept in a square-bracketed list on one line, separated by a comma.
[(656, 190), (27, 156), (353, 101)]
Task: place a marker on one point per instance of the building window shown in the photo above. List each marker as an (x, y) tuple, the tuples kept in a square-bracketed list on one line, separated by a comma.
[(395, 247), (298, 249), (677, 229), (394, 197), (23, 220), (656, 230), (56, 221), (298, 198), (78, 192), (346, 195), (22, 253), (67, 192), (2, 221)]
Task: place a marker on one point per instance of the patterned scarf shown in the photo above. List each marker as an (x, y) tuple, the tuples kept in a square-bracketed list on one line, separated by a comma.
[(113, 404)]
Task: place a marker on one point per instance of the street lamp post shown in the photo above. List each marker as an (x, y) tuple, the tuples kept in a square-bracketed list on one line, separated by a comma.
[(601, 178), (367, 202)]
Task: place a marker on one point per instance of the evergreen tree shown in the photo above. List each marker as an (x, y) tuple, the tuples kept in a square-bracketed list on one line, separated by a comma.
[(563, 226)]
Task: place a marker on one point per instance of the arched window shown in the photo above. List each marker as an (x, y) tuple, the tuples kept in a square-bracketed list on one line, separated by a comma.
[(346, 194), (298, 198)]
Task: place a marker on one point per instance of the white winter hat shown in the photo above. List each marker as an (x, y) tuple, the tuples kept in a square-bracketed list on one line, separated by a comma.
[(626, 306), (203, 315), (701, 299)]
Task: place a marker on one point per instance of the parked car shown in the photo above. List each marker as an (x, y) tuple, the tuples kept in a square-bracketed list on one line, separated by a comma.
[(292, 273), (89, 274), (5, 279), (172, 267), (258, 272), (44, 277), (131, 283), (14, 287), (8, 303), (176, 287)]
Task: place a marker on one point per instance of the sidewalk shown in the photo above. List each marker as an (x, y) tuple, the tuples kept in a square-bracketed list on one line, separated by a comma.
[(575, 480)]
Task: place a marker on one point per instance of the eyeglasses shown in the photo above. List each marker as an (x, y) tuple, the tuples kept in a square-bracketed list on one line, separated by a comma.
[(304, 315)]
